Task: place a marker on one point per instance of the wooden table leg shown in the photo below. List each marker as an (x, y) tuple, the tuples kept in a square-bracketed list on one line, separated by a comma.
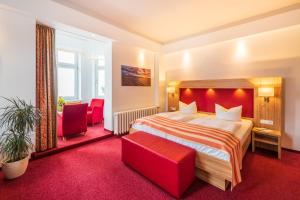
[(279, 148), (253, 142)]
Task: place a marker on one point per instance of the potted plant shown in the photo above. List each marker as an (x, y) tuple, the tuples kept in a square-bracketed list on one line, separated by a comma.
[(60, 103), (17, 122)]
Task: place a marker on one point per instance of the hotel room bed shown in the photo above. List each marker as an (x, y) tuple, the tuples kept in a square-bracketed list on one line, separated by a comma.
[(242, 133), (212, 164), (179, 116)]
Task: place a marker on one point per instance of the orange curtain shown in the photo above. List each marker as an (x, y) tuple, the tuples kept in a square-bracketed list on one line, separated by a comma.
[(45, 90)]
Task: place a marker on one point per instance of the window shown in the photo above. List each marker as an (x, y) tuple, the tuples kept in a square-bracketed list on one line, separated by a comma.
[(67, 74), (66, 57), (66, 80), (100, 76), (101, 61)]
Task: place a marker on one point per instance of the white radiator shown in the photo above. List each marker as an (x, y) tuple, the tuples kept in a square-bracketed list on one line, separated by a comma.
[(122, 120)]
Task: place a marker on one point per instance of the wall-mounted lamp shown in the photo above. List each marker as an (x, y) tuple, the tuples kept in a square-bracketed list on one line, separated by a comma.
[(266, 92), (171, 90), (171, 103), (141, 58)]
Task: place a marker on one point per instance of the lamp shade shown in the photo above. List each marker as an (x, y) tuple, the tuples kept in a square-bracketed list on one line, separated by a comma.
[(266, 92), (171, 90)]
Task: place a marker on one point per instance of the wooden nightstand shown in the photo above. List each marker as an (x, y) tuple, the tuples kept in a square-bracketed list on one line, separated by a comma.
[(266, 138)]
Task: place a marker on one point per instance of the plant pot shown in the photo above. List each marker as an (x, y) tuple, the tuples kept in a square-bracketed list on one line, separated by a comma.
[(15, 169)]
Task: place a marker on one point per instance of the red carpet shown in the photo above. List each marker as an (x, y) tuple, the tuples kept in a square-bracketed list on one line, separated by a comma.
[(92, 133), (95, 171)]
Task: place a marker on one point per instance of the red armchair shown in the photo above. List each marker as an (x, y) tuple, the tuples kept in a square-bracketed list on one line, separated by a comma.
[(95, 111), (72, 120)]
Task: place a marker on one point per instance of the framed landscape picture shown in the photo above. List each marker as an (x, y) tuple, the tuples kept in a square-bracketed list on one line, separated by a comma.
[(135, 76)]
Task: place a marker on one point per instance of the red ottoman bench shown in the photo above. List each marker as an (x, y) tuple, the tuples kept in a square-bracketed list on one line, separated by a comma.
[(166, 163)]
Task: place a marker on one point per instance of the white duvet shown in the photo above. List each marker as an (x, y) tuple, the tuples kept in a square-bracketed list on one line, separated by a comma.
[(179, 116), (228, 126), (240, 129)]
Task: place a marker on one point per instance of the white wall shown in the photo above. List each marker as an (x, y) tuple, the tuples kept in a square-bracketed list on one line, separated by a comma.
[(274, 53), (17, 56), (130, 97), (67, 19)]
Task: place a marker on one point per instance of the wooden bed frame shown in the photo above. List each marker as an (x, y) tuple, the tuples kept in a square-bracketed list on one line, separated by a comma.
[(212, 170), (215, 171), (218, 172)]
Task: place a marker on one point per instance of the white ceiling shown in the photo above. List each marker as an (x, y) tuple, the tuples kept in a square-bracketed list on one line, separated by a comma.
[(165, 21)]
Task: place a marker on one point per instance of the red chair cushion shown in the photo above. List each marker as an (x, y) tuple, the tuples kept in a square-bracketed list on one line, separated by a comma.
[(95, 111), (166, 163), (72, 120), (97, 102)]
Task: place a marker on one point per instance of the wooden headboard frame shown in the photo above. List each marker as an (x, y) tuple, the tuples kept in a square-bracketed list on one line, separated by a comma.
[(273, 110)]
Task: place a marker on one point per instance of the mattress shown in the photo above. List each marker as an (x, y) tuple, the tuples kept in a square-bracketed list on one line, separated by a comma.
[(241, 133)]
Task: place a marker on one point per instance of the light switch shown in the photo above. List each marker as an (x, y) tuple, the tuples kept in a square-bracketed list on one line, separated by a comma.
[(267, 122)]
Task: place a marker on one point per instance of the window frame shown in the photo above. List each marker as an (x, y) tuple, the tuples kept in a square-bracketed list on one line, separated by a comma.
[(75, 67), (97, 68)]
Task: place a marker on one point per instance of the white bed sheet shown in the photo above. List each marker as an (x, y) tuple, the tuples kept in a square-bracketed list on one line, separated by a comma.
[(242, 134)]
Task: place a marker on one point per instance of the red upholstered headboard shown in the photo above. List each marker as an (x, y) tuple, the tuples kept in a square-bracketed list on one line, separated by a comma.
[(207, 98)]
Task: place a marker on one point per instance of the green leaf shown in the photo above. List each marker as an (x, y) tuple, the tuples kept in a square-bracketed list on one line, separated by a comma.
[(18, 120)]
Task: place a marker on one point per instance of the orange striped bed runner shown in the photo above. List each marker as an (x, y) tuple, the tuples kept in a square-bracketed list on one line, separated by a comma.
[(211, 137)]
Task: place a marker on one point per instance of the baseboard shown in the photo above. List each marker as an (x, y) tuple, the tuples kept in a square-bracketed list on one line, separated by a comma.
[(291, 150), (108, 130), (39, 155)]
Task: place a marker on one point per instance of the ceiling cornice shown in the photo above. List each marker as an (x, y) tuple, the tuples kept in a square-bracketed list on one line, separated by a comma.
[(216, 29), (275, 22), (102, 18), (240, 22)]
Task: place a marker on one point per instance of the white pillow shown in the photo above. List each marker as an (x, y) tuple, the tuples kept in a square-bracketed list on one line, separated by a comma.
[(188, 108), (232, 114)]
